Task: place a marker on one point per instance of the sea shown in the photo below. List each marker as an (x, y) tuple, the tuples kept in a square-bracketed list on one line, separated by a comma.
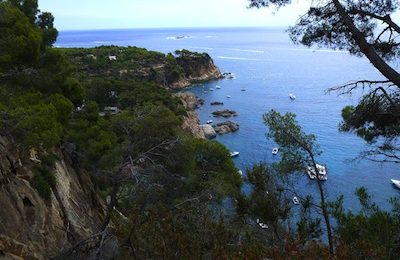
[(269, 66)]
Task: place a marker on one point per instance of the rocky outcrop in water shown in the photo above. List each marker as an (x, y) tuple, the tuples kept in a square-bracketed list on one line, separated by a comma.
[(224, 113), (226, 127), (209, 131)]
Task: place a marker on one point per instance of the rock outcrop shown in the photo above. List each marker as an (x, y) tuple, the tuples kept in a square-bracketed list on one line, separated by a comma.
[(209, 131), (189, 100), (191, 122), (226, 127), (32, 227), (224, 113), (198, 67)]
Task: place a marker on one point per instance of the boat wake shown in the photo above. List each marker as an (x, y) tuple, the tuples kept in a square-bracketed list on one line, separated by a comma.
[(238, 58), (247, 50)]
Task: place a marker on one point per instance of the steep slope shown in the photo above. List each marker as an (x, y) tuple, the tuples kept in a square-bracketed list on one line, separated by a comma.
[(35, 228)]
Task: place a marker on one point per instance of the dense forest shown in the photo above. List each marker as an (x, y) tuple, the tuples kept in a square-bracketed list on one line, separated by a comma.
[(164, 193)]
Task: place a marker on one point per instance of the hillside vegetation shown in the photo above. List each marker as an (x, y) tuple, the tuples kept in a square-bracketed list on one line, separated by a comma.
[(94, 164)]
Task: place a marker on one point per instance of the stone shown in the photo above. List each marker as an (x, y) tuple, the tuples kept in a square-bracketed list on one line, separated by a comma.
[(209, 131), (226, 127), (224, 113), (189, 100), (216, 103)]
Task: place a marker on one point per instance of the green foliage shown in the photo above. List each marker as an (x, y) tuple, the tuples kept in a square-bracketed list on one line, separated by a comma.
[(92, 134), (370, 233), (37, 125), (49, 160), (20, 41), (63, 106), (43, 181), (296, 147)]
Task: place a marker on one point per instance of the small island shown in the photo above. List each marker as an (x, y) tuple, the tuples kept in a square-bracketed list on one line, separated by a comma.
[(226, 127), (224, 113)]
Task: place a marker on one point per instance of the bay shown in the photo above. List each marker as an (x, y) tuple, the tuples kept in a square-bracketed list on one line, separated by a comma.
[(270, 67)]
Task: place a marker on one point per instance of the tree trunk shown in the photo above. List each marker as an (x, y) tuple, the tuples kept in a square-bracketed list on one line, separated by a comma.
[(325, 213), (366, 48)]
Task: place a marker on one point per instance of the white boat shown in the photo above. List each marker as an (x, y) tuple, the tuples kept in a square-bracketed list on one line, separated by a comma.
[(275, 151), (228, 96), (396, 183), (234, 154), (218, 87), (228, 75), (323, 176), (296, 201), (262, 225), (240, 172), (209, 122), (211, 89), (292, 97)]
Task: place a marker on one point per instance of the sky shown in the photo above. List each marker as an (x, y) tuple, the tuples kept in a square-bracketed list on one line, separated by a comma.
[(120, 14)]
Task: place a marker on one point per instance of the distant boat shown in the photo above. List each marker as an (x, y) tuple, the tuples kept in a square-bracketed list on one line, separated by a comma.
[(275, 151), (323, 176), (228, 96), (228, 75), (211, 89), (218, 87), (296, 201), (396, 183), (292, 97), (240, 172), (243, 89), (234, 154), (262, 225), (209, 122)]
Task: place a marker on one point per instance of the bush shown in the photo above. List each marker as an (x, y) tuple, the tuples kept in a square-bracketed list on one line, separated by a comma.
[(43, 181)]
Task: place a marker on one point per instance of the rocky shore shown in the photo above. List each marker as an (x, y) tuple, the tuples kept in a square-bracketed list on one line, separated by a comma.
[(191, 122)]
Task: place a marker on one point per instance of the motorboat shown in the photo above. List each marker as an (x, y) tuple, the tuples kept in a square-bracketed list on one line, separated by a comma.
[(228, 75), (240, 172), (228, 96), (322, 176), (234, 154), (275, 151), (262, 225), (396, 183), (218, 87), (243, 89), (209, 122), (211, 89), (292, 97), (296, 201)]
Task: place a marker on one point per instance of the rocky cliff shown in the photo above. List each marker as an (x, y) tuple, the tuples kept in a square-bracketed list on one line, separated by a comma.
[(32, 227), (191, 122), (198, 67)]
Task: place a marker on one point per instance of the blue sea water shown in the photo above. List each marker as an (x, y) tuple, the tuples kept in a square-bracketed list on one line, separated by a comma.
[(270, 67)]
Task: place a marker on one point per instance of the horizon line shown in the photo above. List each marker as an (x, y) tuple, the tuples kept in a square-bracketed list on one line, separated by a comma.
[(169, 28)]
